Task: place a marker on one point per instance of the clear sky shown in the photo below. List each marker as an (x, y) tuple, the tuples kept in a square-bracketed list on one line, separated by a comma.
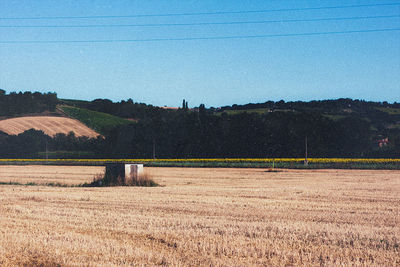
[(216, 72)]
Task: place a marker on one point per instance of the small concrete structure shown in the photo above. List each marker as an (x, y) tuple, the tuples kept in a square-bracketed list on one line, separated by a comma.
[(123, 173), (133, 172)]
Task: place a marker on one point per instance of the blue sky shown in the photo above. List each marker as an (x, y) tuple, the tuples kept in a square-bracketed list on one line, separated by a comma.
[(214, 72)]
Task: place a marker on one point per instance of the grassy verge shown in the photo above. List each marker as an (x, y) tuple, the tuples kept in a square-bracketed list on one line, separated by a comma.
[(380, 164)]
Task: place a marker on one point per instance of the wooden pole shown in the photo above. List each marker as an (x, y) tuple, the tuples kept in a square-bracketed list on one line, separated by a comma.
[(306, 153), (154, 148), (47, 153)]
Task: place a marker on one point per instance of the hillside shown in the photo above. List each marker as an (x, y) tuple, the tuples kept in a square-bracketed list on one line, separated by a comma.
[(333, 128), (49, 125), (23, 111), (99, 121)]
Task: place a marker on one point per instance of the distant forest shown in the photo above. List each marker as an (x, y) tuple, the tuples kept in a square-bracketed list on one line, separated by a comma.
[(15, 104), (333, 128)]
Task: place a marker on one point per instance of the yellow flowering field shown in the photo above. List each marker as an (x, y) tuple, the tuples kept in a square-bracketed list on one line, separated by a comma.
[(316, 163)]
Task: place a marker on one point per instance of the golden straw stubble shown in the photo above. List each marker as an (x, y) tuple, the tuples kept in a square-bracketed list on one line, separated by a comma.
[(200, 216)]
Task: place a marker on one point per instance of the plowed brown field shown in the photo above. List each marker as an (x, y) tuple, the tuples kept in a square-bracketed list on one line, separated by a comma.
[(203, 217), (49, 125)]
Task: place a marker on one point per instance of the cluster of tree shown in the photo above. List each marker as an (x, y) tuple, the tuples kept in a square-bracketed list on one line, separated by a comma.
[(280, 134), (32, 143), (340, 108), (337, 106), (185, 105), (333, 128), (124, 109), (185, 134), (22, 103)]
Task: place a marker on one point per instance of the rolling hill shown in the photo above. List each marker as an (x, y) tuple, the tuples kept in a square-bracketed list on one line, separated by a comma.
[(99, 121), (48, 124), (333, 128)]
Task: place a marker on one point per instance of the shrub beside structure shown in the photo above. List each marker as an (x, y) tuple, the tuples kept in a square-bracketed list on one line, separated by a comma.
[(122, 174)]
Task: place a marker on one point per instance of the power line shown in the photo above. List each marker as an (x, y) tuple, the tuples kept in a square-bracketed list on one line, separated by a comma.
[(199, 13), (201, 38), (198, 23)]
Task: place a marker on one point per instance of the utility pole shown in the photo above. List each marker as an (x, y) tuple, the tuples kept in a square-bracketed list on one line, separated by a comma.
[(47, 153), (306, 152), (154, 148)]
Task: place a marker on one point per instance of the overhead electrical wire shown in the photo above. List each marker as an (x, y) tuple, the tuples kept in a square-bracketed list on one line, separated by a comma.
[(201, 38), (199, 13), (199, 23)]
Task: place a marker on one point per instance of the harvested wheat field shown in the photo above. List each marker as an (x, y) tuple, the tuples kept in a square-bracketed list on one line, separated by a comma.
[(207, 217), (48, 124), (68, 175)]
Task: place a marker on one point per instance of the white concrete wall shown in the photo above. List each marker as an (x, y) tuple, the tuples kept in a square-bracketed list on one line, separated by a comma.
[(133, 170)]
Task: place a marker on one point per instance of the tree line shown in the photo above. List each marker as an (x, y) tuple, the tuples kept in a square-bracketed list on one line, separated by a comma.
[(204, 135), (212, 133), (14, 104)]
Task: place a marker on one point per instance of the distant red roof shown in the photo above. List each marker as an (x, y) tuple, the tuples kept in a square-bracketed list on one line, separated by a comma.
[(383, 142)]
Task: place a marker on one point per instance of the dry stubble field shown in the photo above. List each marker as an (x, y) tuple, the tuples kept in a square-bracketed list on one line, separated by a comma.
[(50, 125), (213, 217)]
